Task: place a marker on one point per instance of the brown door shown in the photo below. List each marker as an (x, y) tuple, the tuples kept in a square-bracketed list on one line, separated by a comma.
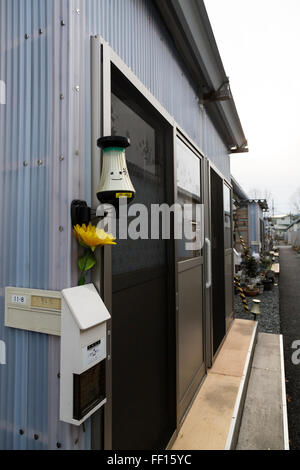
[(218, 260), (143, 315), (191, 365), (228, 256)]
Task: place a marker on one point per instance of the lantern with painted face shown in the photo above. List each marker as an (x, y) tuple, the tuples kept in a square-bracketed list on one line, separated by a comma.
[(115, 181)]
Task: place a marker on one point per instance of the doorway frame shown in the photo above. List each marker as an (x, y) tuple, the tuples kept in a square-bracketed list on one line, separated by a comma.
[(211, 356), (181, 266), (103, 58)]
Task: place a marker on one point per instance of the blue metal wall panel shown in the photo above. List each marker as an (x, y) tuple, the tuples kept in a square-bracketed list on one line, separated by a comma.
[(16, 211), (214, 148), (135, 31), (255, 214), (35, 189)]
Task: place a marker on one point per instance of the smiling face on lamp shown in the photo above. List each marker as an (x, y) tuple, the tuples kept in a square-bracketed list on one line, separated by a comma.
[(118, 175)]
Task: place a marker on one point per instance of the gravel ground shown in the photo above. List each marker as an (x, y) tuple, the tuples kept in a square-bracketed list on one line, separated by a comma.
[(269, 320)]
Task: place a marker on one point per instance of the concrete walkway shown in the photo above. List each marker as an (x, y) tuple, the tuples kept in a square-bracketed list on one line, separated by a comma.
[(264, 425), (289, 289), (213, 419)]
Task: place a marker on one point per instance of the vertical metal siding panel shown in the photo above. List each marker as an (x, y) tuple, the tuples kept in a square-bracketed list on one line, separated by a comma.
[(144, 44), (13, 236), (214, 148), (36, 433), (256, 222), (21, 190), (35, 125), (253, 225), (66, 177), (57, 35), (259, 217)]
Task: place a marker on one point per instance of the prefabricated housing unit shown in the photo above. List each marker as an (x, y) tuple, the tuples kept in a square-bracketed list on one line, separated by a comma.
[(292, 234), (74, 70), (250, 224)]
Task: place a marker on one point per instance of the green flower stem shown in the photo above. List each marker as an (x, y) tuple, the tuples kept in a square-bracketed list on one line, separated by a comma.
[(83, 271)]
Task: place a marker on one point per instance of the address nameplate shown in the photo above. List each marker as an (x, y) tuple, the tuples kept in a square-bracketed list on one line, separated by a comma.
[(37, 310), (45, 302)]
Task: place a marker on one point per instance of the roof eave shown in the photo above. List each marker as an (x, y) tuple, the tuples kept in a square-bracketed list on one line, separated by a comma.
[(237, 189), (191, 31)]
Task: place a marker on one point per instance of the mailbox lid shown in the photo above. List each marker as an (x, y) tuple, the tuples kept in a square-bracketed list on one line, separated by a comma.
[(86, 306)]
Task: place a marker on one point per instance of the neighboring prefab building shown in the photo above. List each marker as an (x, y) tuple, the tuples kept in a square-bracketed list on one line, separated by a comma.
[(256, 209), (280, 223), (249, 222), (72, 71), (292, 234)]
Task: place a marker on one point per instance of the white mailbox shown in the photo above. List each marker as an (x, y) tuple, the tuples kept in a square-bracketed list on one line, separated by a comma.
[(83, 353)]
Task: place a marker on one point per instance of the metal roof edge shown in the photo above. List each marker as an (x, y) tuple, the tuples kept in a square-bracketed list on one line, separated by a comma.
[(238, 189), (190, 28)]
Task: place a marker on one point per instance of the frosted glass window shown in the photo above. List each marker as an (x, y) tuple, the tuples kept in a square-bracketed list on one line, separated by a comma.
[(188, 191)]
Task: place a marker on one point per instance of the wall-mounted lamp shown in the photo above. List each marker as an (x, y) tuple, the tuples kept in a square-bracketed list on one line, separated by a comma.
[(80, 212), (115, 182), (223, 93), (255, 308)]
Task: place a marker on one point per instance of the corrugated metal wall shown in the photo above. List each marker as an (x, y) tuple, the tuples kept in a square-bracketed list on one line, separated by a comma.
[(36, 187), (255, 213), (135, 31), (45, 163), (214, 148)]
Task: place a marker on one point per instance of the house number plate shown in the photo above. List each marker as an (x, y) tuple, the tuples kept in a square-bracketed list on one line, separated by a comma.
[(18, 299)]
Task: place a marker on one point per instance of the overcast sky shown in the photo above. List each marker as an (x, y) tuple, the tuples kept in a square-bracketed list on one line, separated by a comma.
[(259, 42)]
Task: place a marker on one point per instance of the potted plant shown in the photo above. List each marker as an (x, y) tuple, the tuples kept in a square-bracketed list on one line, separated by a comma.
[(251, 290), (250, 267), (265, 261), (269, 280)]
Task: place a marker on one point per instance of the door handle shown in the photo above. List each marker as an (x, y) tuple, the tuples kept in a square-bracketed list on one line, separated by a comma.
[(109, 345), (208, 258)]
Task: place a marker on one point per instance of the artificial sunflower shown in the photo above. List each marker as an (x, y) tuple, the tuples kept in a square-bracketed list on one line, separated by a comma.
[(90, 237)]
